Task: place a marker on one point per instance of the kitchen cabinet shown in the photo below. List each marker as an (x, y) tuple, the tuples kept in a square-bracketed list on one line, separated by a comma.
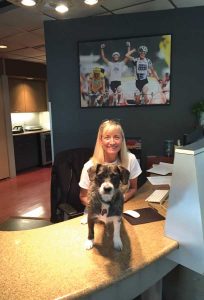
[(17, 95), (27, 95), (32, 149), (27, 151), (35, 96)]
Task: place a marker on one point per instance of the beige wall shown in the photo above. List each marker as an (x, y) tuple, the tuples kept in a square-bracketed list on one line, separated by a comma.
[(4, 160), (6, 117)]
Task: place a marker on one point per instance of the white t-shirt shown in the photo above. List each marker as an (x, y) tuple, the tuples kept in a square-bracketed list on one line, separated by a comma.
[(116, 69), (133, 168)]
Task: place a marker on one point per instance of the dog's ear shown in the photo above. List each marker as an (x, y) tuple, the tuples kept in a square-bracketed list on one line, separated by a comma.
[(124, 174), (93, 171)]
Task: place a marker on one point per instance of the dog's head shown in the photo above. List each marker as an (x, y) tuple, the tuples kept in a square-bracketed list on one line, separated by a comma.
[(107, 179)]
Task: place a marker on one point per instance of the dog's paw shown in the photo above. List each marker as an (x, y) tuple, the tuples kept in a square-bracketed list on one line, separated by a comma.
[(118, 244), (89, 244), (84, 219)]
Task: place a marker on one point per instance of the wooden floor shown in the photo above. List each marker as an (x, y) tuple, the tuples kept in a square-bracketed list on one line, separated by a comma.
[(28, 194)]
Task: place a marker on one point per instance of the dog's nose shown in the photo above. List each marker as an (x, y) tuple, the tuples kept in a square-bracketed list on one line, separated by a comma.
[(107, 189)]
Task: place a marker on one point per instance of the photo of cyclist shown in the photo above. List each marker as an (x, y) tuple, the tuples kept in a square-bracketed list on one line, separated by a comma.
[(133, 76), (96, 87), (143, 66), (116, 67)]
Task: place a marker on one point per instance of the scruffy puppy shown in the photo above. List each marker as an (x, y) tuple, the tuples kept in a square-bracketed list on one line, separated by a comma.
[(105, 199)]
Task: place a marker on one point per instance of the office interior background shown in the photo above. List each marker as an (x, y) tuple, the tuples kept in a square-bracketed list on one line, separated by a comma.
[(74, 127)]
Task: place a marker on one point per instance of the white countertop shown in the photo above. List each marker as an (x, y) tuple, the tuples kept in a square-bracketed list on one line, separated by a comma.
[(31, 132)]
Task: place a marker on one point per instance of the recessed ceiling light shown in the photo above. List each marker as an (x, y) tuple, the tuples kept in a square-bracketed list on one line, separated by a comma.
[(3, 46), (90, 2), (61, 8), (28, 2)]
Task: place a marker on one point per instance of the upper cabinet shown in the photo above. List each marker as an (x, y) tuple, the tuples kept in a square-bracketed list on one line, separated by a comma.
[(27, 95), (35, 95), (17, 95)]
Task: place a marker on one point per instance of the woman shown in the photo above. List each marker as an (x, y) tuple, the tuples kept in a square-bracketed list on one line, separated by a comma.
[(111, 148)]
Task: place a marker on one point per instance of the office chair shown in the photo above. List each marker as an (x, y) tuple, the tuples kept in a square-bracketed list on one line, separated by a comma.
[(65, 176)]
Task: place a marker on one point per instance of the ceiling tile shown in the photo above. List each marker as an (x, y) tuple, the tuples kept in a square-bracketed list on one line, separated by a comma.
[(28, 52), (25, 39), (39, 32), (22, 18), (11, 44), (188, 3), (21, 57), (6, 30), (115, 4), (148, 6)]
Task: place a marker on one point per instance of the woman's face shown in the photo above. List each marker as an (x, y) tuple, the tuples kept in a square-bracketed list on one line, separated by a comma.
[(111, 141)]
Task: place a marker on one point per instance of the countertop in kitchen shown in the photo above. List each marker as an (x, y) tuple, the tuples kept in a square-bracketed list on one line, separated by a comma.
[(31, 132)]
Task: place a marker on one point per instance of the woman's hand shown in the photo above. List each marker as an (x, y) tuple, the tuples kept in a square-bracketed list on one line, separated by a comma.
[(132, 190), (83, 196)]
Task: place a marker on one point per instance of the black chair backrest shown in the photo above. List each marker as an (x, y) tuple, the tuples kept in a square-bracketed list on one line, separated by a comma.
[(66, 173)]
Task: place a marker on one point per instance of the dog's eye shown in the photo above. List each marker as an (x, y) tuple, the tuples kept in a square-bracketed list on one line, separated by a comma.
[(100, 178), (115, 177)]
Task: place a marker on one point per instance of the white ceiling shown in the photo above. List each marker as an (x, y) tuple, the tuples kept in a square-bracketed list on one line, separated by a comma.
[(21, 29)]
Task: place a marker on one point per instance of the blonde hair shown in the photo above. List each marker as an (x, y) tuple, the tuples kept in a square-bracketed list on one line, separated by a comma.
[(98, 156)]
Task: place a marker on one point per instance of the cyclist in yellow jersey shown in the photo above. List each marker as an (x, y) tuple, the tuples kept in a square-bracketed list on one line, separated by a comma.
[(96, 87)]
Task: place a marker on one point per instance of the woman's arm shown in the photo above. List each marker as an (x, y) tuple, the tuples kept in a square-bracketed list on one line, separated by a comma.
[(83, 196), (132, 190)]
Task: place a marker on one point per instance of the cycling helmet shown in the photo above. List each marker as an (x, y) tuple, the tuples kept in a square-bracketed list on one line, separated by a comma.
[(116, 53), (143, 49)]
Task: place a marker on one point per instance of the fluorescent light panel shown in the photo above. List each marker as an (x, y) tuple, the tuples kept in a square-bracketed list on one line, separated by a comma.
[(61, 8), (28, 2), (90, 2)]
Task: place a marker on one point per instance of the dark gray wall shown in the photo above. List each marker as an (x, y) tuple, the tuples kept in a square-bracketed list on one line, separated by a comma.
[(76, 127)]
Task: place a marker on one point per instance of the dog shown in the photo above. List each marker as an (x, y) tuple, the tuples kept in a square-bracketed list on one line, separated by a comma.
[(105, 199)]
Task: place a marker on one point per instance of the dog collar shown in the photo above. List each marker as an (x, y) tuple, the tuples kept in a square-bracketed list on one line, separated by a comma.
[(105, 202)]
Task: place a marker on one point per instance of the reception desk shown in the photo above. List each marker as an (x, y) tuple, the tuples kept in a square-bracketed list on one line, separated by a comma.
[(52, 263)]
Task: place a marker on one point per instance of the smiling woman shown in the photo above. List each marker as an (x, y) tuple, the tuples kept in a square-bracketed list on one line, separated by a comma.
[(111, 148)]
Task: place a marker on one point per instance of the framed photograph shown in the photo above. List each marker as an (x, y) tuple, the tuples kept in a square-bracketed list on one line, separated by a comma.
[(128, 72)]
